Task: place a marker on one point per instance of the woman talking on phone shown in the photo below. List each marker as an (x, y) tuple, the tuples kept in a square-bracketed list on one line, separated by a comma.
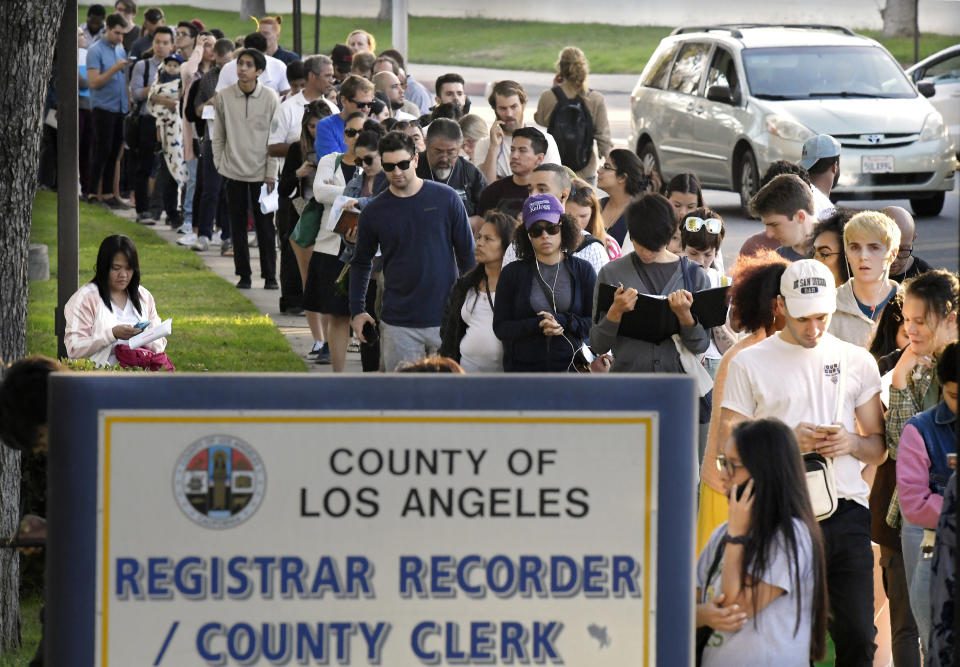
[(112, 308), (543, 304), (761, 580)]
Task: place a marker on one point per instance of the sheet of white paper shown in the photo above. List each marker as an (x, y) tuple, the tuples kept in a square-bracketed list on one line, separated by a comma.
[(269, 201), (335, 210), (165, 328), (208, 113), (886, 381)]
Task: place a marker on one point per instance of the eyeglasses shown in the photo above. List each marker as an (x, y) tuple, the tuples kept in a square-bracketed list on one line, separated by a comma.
[(694, 224), (403, 165), (367, 160), (362, 105), (537, 231), (904, 253), (723, 463), (821, 254), (606, 166), (351, 132)]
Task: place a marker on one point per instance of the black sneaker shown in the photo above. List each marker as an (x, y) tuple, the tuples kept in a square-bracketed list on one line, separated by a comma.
[(315, 351), (323, 358), (244, 283), (270, 283)]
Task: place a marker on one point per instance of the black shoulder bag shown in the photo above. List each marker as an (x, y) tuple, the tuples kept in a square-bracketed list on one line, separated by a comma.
[(705, 632)]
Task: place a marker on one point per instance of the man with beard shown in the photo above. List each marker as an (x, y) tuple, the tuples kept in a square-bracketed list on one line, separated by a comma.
[(442, 163), (389, 85), (821, 158), (450, 89), (493, 154)]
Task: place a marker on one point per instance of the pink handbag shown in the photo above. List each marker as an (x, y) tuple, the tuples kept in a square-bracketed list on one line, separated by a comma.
[(142, 358)]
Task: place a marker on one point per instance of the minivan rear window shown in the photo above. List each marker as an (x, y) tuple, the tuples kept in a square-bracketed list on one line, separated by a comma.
[(821, 72), (657, 78)]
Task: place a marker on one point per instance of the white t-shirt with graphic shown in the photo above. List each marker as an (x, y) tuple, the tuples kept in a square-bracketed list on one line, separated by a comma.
[(795, 384)]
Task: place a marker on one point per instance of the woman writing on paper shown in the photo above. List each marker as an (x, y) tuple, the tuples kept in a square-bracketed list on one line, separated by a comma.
[(112, 308)]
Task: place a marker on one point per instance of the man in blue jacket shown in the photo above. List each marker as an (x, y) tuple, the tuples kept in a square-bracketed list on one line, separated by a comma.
[(424, 237)]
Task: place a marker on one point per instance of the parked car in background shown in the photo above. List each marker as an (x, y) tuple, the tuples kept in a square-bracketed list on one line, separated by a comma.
[(942, 69), (725, 101)]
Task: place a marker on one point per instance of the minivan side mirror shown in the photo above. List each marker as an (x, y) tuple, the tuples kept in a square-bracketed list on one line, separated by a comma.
[(926, 88), (722, 94)]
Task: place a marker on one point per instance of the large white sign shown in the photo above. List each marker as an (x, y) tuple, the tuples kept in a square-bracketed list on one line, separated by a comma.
[(376, 538)]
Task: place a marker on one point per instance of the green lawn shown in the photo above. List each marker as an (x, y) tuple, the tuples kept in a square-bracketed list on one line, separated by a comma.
[(525, 45), (214, 327), (29, 632)]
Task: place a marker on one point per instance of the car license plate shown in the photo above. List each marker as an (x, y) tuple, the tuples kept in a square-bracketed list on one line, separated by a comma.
[(881, 164)]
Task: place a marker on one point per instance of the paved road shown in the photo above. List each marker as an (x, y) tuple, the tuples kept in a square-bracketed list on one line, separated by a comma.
[(938, 236)]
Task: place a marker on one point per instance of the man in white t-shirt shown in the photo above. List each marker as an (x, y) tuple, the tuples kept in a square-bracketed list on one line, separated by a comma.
[(796, 376), (492, 154), (286, 126), (820, 156), (274, 76)]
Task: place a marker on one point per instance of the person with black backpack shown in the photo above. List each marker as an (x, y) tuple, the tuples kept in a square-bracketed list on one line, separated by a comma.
[(576, 116)]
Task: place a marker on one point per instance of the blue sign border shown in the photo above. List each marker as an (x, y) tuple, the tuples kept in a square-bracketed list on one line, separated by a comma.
[(77, 398)]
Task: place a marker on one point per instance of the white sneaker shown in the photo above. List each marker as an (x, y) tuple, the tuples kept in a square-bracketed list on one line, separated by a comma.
[(185, 228), (201, 244), (187, 239), (252, 239), (216, 240)]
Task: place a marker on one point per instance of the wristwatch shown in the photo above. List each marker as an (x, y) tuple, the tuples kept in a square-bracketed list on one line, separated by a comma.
[(739, 539)]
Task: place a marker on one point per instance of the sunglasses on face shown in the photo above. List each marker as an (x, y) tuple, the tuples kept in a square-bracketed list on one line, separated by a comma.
[(728, 465), (368, 160), (362, 105), (351, 132), (403, 165), (537, 230), (693, 224)]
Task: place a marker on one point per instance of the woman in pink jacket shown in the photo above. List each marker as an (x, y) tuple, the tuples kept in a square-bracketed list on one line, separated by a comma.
[(112, 307)]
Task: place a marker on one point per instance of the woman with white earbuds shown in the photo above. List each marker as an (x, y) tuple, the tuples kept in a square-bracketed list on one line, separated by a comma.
[(544, 300), (871, 241)]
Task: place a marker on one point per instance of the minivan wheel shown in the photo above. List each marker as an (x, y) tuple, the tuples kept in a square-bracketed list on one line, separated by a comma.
[(749, 181), (928, 206), (648, 157)]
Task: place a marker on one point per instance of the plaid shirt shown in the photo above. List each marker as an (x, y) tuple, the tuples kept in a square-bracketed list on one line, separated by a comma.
[(922, 393)]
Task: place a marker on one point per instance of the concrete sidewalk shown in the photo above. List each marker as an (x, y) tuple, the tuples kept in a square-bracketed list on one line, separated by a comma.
[(294, 327), (478, 78)]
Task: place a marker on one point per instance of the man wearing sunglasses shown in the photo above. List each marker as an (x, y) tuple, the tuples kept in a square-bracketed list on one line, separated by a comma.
[(906, 264), (425, 241), (356, 94)]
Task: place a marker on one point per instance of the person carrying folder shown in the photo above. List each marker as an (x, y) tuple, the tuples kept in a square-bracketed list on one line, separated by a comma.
[(650, 270)]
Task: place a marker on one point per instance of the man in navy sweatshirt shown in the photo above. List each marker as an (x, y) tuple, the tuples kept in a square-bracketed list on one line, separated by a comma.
[(424, 237)]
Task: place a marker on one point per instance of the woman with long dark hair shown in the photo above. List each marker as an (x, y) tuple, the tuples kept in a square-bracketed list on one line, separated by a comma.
[(761, 581), (466, 334), (623, 178), (542, 311), (113, 307)]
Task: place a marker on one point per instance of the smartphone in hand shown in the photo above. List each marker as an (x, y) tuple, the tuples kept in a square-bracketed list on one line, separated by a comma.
[(141, 325), (829, 428)]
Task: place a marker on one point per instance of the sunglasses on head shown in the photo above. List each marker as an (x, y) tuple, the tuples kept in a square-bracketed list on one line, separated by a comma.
[(351, 132), (694, 224), (403, 165), (362, 105), (537, 231), (368, 160)]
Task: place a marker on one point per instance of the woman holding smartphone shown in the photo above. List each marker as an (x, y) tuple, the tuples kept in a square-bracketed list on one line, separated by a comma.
[(112, 308), (761, 580)]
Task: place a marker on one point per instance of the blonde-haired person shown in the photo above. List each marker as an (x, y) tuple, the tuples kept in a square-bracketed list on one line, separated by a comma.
[(360, 41), (871, 241), (474, 129), (584, 206), (571, 82)]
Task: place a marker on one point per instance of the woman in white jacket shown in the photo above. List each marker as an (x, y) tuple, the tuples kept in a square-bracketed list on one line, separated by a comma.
[(871, 241), (328, 312), (112, 307)]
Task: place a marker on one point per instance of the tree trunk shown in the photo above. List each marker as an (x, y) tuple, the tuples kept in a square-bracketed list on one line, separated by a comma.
[(899, 18), (386, 10), (28, 32), (253, 8)]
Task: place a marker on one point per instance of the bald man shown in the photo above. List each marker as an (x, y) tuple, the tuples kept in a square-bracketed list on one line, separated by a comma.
[(906, 265), (389, 84)]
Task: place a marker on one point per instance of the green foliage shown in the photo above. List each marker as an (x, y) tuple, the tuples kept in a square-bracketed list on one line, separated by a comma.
[(214, 327), (526, 45), (29, 629)]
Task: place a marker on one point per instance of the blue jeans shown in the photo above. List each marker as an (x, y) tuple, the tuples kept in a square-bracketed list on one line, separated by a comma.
[(917, 570), (189, 190), (400, 345)]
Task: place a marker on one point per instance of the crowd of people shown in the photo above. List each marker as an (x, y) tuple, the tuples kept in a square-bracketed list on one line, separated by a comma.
[(827, 385)]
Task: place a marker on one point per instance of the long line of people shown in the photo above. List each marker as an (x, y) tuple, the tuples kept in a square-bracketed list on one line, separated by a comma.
[(522, 247)]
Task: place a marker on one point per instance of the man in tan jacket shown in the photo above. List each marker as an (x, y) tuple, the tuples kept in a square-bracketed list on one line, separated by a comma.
[(241, 131)]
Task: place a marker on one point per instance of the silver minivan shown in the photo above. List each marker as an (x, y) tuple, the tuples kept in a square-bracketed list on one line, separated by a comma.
[(724, 102)]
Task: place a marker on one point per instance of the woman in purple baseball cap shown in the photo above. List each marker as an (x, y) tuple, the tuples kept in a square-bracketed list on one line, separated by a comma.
[(544, 300)]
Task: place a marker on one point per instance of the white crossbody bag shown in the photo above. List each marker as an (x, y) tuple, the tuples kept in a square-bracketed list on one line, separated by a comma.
[(821, 480)]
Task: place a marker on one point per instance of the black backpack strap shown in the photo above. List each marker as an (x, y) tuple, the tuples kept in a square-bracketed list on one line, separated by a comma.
[(558, 93)]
